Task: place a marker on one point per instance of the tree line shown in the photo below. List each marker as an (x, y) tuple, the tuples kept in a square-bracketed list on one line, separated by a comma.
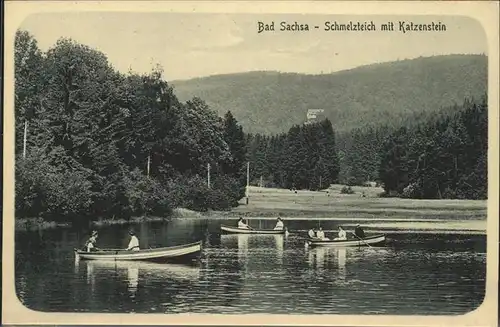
[(445, 157), (303, 158), (92, 142)]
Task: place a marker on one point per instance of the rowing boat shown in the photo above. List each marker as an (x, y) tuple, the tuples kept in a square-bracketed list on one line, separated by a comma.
[(371, 240), (158, 254), (236, 230)]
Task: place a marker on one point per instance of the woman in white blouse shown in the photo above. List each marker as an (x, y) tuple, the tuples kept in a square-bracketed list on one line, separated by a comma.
[(133, 245)]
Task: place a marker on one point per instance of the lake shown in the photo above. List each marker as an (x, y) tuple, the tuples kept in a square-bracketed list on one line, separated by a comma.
[(415, 273)]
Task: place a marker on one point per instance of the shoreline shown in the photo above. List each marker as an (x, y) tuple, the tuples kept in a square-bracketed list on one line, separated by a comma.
[(379, 224), (269, 203), (26, 224)]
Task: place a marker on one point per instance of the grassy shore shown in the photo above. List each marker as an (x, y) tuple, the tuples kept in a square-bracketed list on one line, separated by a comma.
[(364, 205), (265, 202)]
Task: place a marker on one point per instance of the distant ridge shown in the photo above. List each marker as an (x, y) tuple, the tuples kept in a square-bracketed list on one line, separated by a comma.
[(270, 102)]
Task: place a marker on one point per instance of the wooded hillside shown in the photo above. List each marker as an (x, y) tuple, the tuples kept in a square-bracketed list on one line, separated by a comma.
[(386, 93)]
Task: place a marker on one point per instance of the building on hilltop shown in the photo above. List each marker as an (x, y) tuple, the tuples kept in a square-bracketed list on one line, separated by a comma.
[(315, 115)]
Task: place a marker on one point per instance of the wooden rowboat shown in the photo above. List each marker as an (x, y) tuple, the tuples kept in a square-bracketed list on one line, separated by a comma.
[(158, 254), (236, 230), (371, 240)]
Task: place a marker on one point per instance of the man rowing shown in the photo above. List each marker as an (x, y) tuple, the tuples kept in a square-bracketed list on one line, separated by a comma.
[(359, 232), (90, 245)]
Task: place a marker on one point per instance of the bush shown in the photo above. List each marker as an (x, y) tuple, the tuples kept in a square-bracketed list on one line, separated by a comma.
[(346, 190), (55, 192), (146, 196), (193, 192), (410, 191)]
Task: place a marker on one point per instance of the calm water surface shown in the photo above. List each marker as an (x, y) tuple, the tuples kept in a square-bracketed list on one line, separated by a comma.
[(412, 274)]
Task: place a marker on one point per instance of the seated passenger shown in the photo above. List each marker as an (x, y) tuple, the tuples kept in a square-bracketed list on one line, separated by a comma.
[(321, 235), (279, 224), (134, 242), (342, 235), (241, 224), (311, 233)]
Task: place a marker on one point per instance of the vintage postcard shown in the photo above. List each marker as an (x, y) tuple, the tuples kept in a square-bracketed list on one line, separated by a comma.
[(237, 163)]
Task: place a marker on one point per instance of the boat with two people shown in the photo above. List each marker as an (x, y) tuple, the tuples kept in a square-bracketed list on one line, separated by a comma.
[(133, 252), (244, 228)]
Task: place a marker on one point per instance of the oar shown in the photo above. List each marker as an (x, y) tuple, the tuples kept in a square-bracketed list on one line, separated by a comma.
[(250, 227), (360, 239)]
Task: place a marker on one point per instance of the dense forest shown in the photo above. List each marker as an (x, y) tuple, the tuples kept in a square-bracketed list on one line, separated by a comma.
[(444, 158), (430, 156), (385, 93), (303, 158), (100, 143)]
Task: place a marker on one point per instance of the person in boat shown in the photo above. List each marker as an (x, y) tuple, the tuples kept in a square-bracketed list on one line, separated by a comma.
[(241, 224), (90, 245), (321, 235), (359, 232), (311, 233), (133, 245), (279, 224), (342, 235)]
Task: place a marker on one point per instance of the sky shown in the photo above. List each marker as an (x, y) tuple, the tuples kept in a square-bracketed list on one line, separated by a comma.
[(189, 45)]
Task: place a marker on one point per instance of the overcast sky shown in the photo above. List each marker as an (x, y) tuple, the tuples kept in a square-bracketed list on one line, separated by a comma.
[(194, 45)]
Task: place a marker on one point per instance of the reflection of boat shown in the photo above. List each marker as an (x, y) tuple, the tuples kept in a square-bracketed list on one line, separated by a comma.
[(236, 230), (341, 258), (158, 254), (133, 280), (371, 240), (164, 270), (322, 257), (243, 242), (279, 240)]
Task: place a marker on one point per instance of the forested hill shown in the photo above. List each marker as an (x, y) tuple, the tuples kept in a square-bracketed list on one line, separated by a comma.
[(271, 102)]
